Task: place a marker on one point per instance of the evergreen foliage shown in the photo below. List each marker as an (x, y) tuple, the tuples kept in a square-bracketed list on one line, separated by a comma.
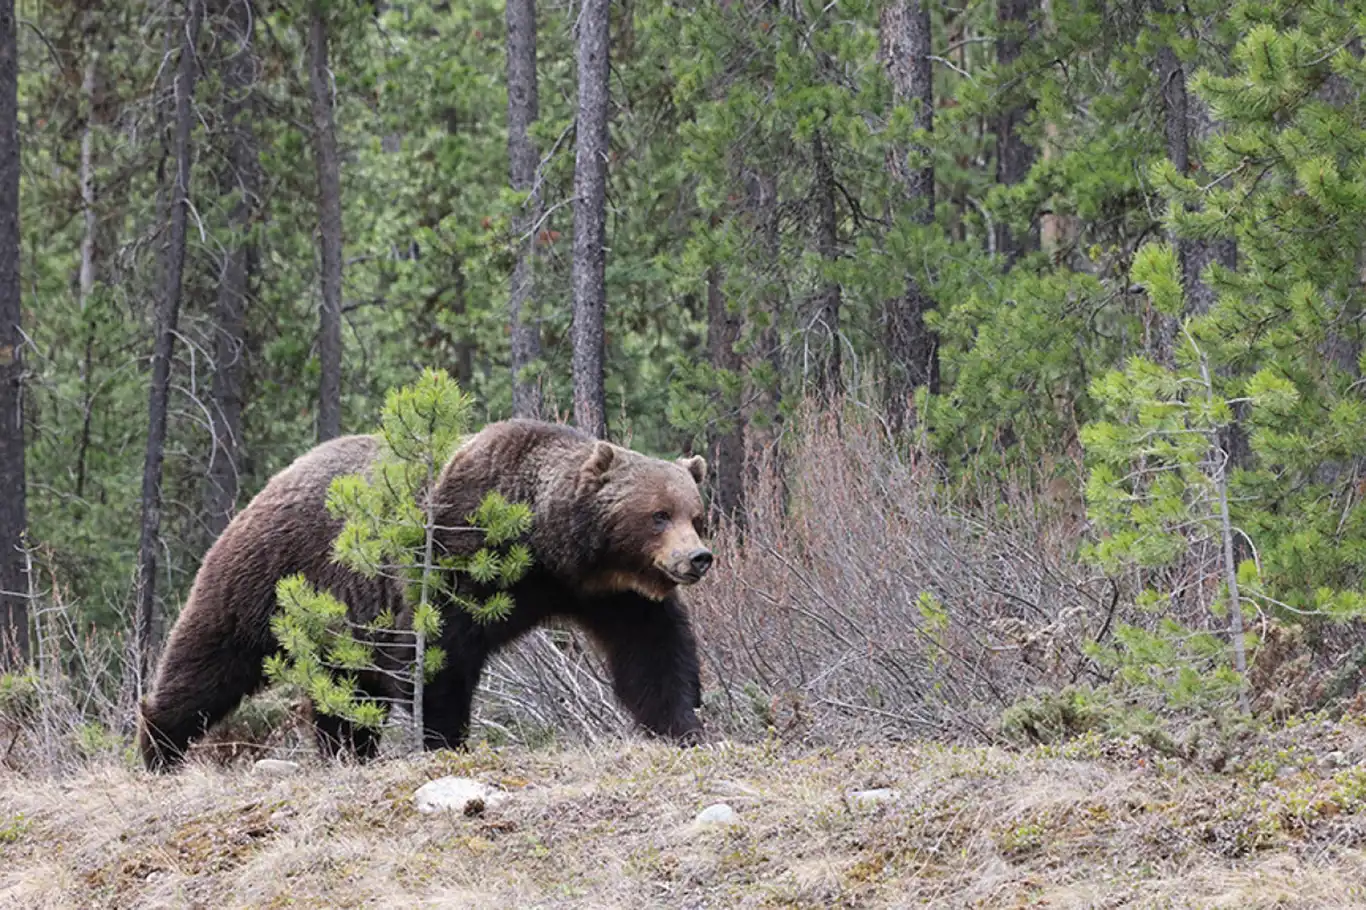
[(390, 533), (1187, 338)]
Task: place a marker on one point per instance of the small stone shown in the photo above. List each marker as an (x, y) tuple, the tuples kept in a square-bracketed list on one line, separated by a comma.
[(865, 799), (717, 814), (275, 767), (460, 794), (1336, 759)]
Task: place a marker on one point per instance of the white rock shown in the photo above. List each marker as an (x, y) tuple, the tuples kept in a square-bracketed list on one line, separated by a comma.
[(275, 767), (459, 794), (865, 799), (717, 814)]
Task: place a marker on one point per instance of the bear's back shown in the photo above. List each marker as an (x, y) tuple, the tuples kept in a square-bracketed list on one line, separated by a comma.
[(285, 529)]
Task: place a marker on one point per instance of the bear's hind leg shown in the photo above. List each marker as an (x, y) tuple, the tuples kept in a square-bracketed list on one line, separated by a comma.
[(202, 678)]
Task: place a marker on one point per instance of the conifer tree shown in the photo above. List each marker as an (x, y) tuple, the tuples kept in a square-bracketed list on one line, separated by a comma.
[(390, 532)]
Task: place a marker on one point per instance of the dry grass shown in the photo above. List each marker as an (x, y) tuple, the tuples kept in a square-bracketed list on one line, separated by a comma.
[(610, 826)]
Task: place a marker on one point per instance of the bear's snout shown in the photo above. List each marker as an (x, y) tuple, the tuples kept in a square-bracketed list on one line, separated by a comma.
[(687, 566)]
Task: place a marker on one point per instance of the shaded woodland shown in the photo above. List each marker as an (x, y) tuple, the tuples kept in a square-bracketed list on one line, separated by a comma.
[(1024, 337)]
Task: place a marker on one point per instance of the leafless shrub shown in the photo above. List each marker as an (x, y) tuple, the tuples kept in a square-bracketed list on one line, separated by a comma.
[(552, 683), (869, 605), (67, 709)]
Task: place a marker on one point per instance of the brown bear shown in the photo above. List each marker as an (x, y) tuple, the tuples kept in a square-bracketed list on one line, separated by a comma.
[(613, 534)]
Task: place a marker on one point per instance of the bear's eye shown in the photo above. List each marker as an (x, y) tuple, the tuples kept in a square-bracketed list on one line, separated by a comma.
[(661, 518)]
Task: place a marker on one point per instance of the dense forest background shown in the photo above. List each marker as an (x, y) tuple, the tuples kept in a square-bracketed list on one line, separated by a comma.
[(1024, 337)]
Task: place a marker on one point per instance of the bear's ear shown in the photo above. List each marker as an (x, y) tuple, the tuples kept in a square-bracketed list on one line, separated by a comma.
[(599, 460), (696, 466)]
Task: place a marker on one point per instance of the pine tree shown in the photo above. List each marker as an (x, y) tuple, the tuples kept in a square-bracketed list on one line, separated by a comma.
[(390, 531)]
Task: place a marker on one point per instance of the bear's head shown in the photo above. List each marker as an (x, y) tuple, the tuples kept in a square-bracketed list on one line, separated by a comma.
[(649, 513)]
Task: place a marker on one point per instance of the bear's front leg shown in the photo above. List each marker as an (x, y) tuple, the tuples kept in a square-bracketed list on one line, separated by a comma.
[(652, 653), (448, 701)]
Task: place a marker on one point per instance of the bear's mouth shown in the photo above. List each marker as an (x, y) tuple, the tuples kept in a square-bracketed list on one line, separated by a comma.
[(691, 577)]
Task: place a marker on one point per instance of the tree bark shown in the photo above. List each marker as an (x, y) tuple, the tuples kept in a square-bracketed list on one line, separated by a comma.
[(1195, 255), (86, 282), (463, 347), (1186, 122), (827, 317), (241, 179), (14, 581), (912, 347), (164, 347), (328, 167), (1014, 157), (763, 397), (523, 110), (727, 445), (590, 219)]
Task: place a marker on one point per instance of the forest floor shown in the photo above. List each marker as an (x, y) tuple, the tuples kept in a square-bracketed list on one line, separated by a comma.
[(614, 826)]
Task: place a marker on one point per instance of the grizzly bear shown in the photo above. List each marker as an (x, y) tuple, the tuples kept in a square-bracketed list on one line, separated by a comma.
[(613, 535)]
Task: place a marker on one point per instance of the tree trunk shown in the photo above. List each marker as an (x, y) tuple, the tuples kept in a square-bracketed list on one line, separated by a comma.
[(241, 179), (827, 316), (329, 226), (167, 317), (463, 346), (1195, 255), (86, 284), (1014, 157), (590, 219), (1187, 122), (912, 347), (763, 396), (727, 448), (523, 110), (14, 581), (1342, 343)]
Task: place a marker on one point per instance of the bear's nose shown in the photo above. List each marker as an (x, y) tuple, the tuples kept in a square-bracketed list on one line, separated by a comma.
[(701, 561)]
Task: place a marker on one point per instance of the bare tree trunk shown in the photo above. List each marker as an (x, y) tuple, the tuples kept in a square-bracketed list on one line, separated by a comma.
[(763, 362), (86, 177), (1057, 231), (590, 219), (1342, 345), (1014, 157), (523, 110), (827, 317), (912, 347), (1195, 255), (329, 225), (240, 178), (463, 346), (727, 445), (14, 582), (167, 317), (1187, 121)]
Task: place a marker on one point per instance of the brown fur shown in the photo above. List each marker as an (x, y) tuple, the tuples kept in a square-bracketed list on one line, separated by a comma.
[(614, 533)]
